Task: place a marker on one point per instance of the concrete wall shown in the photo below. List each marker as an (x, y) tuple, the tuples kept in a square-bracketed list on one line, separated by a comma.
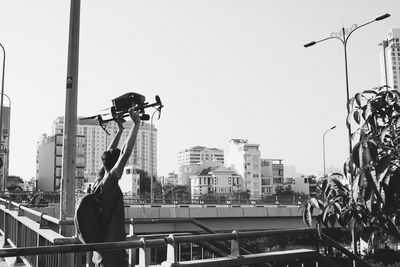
[(138, 212)]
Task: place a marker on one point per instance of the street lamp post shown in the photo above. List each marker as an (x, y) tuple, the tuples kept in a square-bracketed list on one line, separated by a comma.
[(343, 37), (1, 101), (323, 145), (384, 44)]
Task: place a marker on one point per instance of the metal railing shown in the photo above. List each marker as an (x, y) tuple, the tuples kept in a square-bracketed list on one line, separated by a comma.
[(293, 257), (33, 238)]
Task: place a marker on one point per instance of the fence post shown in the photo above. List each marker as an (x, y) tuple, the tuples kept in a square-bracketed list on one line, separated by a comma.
[(132, 251), (6, 224), (171, 251), (144, 254), (235, 247)]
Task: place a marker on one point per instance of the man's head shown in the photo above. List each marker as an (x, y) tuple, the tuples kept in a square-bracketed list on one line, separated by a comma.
[(109, 158)]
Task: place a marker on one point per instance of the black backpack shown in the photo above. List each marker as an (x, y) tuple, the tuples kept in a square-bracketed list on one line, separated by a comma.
[(88, 219), (88, 222)]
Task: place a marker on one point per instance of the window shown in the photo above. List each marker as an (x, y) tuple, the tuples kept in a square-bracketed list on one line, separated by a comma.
[(266, 182), (305, 180)]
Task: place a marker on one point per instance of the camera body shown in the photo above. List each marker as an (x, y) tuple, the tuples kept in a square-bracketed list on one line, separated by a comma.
[(124, 102)]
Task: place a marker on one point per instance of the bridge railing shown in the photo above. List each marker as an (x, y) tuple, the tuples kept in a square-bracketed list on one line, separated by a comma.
[(24, 229), (132, 199), (294, 257)]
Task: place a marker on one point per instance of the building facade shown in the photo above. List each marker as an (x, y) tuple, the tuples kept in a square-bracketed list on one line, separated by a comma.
[(185, 171), (130, 181), (215, 180), (272, 176), (305, 184), (245, 159), (49, 162), (5, 145), (390, 59), (197, 154), (144, 154)]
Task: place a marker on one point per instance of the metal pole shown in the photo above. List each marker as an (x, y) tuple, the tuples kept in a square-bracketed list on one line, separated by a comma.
[(1, 107), (323, 151), (68, 183), (323, 145), (384, 45), (347, 90), (67, 205)]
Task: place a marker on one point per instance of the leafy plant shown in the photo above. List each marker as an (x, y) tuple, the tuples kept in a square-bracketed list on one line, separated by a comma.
[(367, 193)]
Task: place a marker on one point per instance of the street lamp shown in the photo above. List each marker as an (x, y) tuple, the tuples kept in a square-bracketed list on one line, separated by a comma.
[(343, 37), (1, 100), (323, 145)]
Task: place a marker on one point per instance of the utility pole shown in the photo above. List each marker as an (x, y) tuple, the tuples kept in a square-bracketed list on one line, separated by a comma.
[(3, 187), (67, 199)]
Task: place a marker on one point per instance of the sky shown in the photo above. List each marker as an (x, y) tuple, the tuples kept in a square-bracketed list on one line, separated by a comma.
[(223, 68)]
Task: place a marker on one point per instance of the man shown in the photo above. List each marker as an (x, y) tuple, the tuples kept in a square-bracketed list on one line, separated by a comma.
[(111, 200), (89, 190)]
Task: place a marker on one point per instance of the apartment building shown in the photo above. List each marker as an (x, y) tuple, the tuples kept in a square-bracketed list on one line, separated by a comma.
[(245, 159), (390, 59), (272, 176), (199, 154), (144, 154), (49, 162), (5, 144)]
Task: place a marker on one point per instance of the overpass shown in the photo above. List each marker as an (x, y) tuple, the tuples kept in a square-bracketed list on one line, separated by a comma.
[(170, 218)]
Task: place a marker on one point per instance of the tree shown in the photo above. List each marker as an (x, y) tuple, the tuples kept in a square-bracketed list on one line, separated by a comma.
[(242, 195), (371, 201), (284, 190)]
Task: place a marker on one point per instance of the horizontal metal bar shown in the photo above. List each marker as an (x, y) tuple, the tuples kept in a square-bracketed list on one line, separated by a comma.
[(230, 236), (267, 233), (36, 213), (199, 238), (300, 254), (13, 252)]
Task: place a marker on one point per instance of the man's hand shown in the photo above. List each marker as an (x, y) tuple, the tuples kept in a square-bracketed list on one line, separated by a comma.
[(134, 116)]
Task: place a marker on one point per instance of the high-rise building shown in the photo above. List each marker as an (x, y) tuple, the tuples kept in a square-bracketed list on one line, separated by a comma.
[(199, 154), (144, 154), (245, 159), (5, 144), (49, 162), (390, 62)]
